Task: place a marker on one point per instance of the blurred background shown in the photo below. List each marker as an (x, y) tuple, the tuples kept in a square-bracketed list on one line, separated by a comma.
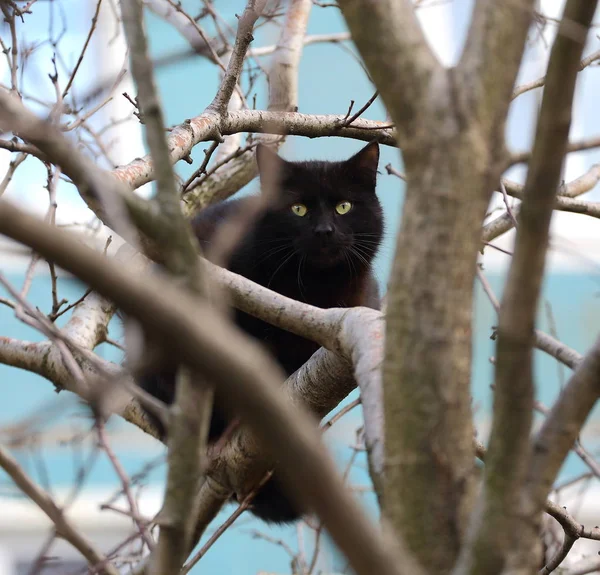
[(63, 455)]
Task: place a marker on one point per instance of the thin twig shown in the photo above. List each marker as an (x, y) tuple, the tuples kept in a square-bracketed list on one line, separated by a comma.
[(508, 208), (585, 62), (358, 114), (202, 169), (346, 409), (243, 38), (121, 473), (83, 50), (394, 172), (63, 526), (225, 525)]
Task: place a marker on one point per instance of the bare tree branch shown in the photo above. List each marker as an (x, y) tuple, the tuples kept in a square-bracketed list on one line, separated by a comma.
[(576, 146), (243, 38), (99, 191), (283, 96), (147, 96), (391, 42), (542, 81), (563, 203), (283, 75), (484, 79), (504, 223), (308, 40), (63, 526), (193, 399), (573, 530), (553, 443)]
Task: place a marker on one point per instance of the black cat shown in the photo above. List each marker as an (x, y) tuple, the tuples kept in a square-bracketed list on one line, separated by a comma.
[(314, 243)]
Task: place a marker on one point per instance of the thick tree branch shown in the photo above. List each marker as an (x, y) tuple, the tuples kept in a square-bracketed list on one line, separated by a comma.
[(87, 176), (285, 86), (483, 77), (355, 334), (309, 125), (492, 526), (450, 134)]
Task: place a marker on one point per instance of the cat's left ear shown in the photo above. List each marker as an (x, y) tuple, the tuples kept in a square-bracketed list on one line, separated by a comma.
[(366, 161), (272, 168)]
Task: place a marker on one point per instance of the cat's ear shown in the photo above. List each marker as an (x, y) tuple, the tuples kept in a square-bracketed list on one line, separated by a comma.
[(272, 168), (366, 161)]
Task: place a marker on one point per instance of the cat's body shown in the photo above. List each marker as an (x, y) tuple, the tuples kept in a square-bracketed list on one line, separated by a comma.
[(315, 244)]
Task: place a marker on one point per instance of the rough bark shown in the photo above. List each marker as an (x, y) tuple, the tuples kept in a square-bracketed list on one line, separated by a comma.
[(492, 527), (450, 126)]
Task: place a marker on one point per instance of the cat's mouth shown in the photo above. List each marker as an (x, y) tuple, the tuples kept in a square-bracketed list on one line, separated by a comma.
[(326, 255)]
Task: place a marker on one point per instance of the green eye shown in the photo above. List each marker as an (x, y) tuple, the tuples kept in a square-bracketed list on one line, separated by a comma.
[(299, 209), (343, 208)]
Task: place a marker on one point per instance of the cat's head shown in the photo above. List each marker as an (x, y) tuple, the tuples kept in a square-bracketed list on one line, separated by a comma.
[(328, 211)]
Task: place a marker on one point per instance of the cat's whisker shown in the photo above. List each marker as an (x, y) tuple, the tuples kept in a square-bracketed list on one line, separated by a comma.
[(372, 249), (359, 255), (270, 253), (365, 248), (294, 252), (351, 265), (365, 251), (366, 241), (361, 241)]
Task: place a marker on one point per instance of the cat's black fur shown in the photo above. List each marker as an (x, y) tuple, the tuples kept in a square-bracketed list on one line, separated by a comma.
[(322, 258)]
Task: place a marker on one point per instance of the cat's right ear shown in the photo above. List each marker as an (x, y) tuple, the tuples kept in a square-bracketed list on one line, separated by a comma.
[(266, 156), (366, 161), (271, 167)]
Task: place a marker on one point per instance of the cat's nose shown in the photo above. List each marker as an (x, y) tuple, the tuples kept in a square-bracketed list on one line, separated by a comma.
[(324, 230)]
